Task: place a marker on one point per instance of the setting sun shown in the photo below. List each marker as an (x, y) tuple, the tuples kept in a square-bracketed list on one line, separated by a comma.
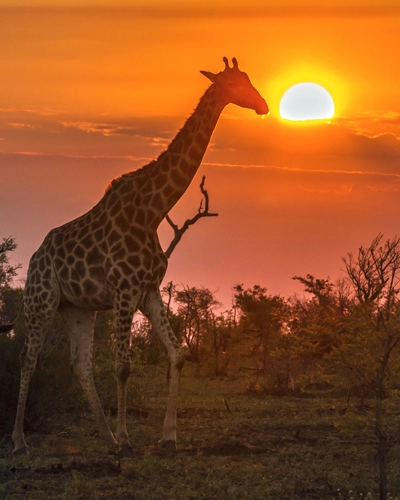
[(306, 101)]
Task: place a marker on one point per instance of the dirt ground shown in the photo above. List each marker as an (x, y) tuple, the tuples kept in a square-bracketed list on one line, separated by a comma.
[(232, 444)]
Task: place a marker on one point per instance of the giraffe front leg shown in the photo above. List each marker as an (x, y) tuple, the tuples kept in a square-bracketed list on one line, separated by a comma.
[(156, 313)]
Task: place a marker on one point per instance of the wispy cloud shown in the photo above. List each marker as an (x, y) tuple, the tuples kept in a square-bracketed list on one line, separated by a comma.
[(114, 129), (210, 8), (372, 124), (309, 170)]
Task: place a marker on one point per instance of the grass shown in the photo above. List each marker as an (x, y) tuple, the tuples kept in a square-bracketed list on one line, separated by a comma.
[(233, 445)]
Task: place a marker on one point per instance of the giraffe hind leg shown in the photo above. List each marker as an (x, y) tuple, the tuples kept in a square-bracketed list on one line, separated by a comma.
[(80, 325), (38, 321)]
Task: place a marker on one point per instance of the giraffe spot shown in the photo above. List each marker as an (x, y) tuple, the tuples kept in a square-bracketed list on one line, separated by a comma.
[(89, 288), (202, 141), (131, 243), (151, 218), (147, 259), (113, 237), (165, 166), (61, 253), (195, 154), (141, 274), (94, 256), (177, 179), (57, 262), (33, 265), (112, 198), (116, 208), (160, 181), (108, 227), (47, 274), (122, 223), (184, 166), (158, 203), (80, 268), (117, 273), (125, 268), (82, 233), (87, 242), (124, 284), (177, 148), (147, 188), (120, 254), (99, 234), (96, 272), (100, 221), (80, 252), (70, 260), (64, 273), (129, 210), (58, 239), (134, 261), (76, 288), (140, 217), (168, 190), (74, 275)]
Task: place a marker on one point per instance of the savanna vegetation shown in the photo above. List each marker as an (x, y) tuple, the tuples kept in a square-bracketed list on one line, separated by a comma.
[(285, 398)]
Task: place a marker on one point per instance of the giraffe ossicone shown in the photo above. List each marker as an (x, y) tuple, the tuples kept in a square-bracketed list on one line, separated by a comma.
[(111, 258)]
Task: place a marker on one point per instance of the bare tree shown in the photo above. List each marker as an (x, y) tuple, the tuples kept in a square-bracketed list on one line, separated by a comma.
[(375, 275), (203, 211)]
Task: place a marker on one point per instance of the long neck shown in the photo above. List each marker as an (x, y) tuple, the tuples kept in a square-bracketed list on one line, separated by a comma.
[(175, 168)]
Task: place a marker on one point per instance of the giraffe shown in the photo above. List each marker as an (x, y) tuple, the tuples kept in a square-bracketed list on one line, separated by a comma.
[(111, 258)]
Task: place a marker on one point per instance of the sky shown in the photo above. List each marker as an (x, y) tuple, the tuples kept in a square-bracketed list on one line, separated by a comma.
[(92, 89)]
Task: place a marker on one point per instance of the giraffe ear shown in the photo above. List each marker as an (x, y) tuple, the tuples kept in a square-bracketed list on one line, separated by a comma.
[(209, 75)]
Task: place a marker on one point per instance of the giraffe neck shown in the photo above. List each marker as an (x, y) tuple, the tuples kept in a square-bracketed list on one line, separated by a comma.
[(163, 181)]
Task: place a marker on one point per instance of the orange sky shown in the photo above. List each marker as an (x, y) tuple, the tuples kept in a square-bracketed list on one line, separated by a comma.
[(91, 89)]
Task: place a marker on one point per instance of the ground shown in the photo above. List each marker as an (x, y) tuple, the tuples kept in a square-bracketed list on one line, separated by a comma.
[(232, 444)]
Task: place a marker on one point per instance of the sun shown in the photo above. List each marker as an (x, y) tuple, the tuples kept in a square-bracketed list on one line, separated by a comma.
[(306, 101)]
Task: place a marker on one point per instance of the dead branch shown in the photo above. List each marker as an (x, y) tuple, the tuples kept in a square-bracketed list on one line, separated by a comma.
[(202, 212)]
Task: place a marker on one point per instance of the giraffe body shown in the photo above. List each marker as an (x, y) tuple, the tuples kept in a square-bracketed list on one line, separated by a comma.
[(111, 258)]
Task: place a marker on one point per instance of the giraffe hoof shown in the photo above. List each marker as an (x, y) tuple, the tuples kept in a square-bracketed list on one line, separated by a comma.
[(20, 451), (169, 445), (126, 452)]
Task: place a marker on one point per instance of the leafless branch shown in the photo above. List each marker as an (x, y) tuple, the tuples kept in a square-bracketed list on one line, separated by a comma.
[(202, 212)]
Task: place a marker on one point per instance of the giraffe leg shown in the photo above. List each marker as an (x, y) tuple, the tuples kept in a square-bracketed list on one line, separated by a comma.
[(123, 319), (80, 324), (28, 357), (38, 318), (155, 311)]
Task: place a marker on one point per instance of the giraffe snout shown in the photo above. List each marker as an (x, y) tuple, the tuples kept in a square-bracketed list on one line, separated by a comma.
[(262, 108)]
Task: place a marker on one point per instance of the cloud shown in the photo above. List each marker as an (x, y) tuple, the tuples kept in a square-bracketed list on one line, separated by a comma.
[(210, 8), (372, 124)]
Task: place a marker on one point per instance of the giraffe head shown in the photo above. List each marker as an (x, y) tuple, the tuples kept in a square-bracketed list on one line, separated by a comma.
[(236, 88)]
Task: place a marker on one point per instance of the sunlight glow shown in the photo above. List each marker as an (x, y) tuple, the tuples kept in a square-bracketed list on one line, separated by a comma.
[(306, 101)]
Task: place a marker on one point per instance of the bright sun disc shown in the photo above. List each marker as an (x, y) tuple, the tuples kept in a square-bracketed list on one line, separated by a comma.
[(306, 101)]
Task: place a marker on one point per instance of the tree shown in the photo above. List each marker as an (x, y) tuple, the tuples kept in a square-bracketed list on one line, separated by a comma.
[(203, 211), (263, 321), (316, 323), (373, 330), (8, 306), (196, 308), (7, 271)]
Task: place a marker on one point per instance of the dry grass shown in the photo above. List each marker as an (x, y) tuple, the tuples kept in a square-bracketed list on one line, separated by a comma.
[(232, 445)]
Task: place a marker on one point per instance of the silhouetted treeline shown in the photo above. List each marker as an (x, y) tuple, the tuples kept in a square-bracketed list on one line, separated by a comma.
[(339, 335)]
